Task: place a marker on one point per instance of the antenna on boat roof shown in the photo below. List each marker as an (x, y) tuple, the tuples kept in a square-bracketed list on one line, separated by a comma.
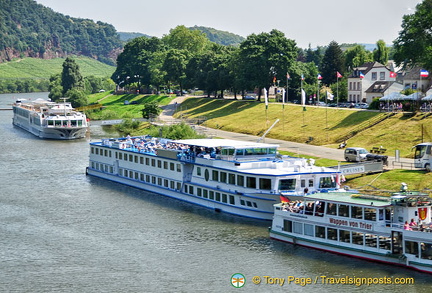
[(267, 131)]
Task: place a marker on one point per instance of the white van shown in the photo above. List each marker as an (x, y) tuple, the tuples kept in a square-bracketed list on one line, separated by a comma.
[(355, 154)]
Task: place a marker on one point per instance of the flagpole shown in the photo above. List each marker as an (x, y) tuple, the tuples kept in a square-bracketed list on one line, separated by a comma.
[(337, 90), (326, 116)]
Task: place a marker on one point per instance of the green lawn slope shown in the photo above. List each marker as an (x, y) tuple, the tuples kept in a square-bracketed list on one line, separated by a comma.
[(323, 125)]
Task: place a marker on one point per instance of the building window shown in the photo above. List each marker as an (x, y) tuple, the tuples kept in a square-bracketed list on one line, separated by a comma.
[(382, 75), (374, 76)]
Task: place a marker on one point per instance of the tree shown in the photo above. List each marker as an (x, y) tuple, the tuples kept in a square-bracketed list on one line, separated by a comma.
[(190, 41), (381, 53), (55, 88), (414, 44), (151, 109), (264, 58), (135, 63), (175, 65), (332, 62), (356, 56), (71, 77)]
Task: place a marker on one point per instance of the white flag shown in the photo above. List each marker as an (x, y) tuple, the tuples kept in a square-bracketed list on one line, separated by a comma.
[(303, 97), (330, 96), (283, 96), (265, 97)]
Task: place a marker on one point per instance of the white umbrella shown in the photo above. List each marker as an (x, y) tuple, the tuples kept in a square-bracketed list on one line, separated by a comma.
[(413, 97), (395, 96)]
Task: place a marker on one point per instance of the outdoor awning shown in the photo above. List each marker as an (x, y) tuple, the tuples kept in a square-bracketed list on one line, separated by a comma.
[(413, 97), (393, 97)]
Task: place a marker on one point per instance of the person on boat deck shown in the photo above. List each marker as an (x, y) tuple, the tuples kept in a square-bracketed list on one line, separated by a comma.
[(407, 226), (413, 223)]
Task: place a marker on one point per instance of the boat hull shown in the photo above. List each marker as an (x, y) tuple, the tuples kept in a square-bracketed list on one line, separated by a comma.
[(382, 257), (210, 204)]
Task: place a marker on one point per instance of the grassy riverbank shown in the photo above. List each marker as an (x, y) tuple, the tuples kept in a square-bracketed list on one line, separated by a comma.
[(318, 125), (324, 125)]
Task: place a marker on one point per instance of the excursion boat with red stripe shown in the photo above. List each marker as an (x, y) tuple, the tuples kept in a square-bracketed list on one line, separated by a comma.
[(395, 230), (47, 119), (237, 177)]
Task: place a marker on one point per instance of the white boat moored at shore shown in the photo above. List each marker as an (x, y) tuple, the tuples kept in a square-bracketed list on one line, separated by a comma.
[(236, 177), (47, 119), (395, 230)]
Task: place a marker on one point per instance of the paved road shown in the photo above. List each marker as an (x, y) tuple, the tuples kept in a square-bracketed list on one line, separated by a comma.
[(300, 148)]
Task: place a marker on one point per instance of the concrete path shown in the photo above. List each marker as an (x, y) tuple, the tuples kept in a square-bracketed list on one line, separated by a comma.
[(299, 148)]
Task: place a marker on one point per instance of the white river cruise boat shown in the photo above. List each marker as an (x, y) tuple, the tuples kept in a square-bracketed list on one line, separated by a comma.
[(47, 119), (395, 230), (236, 177)]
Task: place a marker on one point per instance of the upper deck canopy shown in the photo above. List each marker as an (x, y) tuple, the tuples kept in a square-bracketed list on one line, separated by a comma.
[(225, 143), (351, 198)]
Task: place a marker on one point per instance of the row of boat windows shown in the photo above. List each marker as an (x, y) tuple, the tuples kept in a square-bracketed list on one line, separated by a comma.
[(419, 249), (21, 112), (64, 123), (319, 208), (217, 196), (261, 183), (137, 159), (171, 184), (340, 235)]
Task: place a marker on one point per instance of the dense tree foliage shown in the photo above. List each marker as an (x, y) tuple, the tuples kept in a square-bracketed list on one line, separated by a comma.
[(30, 29), (71, 77), (332, 62), (356, 56), (266, 58), (381, 53), (414, 43)]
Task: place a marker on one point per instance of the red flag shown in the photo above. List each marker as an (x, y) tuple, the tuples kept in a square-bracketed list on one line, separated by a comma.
[(393, 74), (284, 198), (338, 75), (319, 76)]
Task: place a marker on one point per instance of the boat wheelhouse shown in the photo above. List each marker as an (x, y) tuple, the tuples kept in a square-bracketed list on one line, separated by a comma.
[(236, 177), (394, 229), (47, 119)]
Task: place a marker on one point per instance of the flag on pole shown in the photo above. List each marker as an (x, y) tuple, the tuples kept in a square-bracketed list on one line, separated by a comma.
[(319, 76), (329, 96), (393, 74), (338, 75), (303, 97), (284, 198), (302, 77), (288, 76), (361, 75), (424, 73)]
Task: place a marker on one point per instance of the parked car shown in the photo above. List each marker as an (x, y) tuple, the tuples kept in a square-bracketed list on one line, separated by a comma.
[(249, 97), (362, 105), (355, 154)]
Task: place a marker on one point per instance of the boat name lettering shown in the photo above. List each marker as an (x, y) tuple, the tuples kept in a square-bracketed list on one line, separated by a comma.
[(350, 223), (298, 216)]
